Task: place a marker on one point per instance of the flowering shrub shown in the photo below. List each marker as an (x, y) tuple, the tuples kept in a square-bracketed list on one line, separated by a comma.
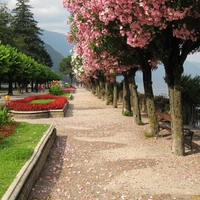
[(7, 125), (26, 105), (8, 128), (55, 88)]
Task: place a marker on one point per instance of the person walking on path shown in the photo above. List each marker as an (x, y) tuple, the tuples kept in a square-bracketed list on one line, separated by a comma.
[(101, 154)]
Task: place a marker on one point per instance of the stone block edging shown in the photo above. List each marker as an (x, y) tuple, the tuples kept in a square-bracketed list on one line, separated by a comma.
[(25, 179)]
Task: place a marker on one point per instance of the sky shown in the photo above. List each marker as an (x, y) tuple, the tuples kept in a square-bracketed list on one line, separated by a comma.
[(51, 16)]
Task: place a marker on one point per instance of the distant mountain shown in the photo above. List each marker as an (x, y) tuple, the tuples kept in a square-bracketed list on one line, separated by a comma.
[(57, 41), (56, 57), (190, 68), (58, 48)]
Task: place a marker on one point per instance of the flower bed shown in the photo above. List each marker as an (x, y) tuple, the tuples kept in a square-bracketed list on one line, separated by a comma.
[(71, 89), (25, 105), (7, 128), (23, 108)]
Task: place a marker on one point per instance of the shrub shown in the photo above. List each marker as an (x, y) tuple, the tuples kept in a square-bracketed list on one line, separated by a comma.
[(55, 88), (4, 115), (162, 103), (7, 125), (127, 113), (102, 91)]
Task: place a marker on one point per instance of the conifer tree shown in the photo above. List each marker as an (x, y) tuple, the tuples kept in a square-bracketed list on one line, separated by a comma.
[(28, 33), (6, 33)]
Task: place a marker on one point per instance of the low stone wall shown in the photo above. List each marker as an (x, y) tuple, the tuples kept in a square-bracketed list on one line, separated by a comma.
[(58, 112), (30, 114), (25, 179), (40, 114)]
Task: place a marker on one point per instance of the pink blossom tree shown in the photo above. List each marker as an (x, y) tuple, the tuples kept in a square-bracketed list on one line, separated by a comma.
[(173, 28), (96, 44)]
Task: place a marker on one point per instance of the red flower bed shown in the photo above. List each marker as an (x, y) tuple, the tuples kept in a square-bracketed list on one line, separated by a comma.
[(25, 105), (8, 128), (71, 89)]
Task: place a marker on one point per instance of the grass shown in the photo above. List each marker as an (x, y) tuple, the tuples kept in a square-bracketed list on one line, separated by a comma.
[(42, 101), (147, 134), (66, 94), (16, 149)]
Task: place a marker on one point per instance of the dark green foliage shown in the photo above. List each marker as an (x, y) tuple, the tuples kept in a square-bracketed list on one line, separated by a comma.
[(6, 33), (162, 103), (27, 34), (66, 67), (191, 89)]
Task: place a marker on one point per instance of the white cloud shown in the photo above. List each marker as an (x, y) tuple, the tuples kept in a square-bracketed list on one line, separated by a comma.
[(49, 14)]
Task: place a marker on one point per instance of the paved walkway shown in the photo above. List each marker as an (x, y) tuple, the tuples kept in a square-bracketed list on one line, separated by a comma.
[(16, 96), (101, 154)]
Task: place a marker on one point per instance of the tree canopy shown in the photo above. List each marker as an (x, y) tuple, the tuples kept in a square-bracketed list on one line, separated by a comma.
[(27, 33), (168, 29)]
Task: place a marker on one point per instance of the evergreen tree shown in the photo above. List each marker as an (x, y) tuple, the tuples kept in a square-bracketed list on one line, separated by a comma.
[(28, 33), (66, 67), (6, 33)]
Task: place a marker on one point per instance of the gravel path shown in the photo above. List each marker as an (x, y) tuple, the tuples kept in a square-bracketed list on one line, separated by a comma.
[(101, 154)]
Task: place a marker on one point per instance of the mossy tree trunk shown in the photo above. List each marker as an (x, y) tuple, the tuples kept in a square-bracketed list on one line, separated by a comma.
[(126, 94), (115, 94), (176, 121), (149, 97), (173, 63), (135, 99), (173, 71), (109, 91)]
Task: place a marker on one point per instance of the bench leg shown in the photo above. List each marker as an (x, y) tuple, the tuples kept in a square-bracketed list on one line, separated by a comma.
[(192, 133)]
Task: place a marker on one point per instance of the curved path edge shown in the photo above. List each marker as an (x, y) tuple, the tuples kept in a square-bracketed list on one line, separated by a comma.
[(25, 179)]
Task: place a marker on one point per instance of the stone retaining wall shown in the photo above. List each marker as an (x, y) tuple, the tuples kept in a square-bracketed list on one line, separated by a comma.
[(25, 179)]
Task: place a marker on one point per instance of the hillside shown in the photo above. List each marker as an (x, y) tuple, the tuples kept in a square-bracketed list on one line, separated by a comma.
[(57, 41), (58, 48), (56, 57), (190, 68)]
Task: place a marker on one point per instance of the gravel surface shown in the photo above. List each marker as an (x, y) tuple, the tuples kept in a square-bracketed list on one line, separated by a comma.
[(101, 154)]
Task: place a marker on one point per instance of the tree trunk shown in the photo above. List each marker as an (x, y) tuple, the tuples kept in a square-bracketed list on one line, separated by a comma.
[(149, 97), (115, 94), (10, 87), (173, 71), (176, 121), (143, 103), (109, 92), (126, 95), (135, 99)]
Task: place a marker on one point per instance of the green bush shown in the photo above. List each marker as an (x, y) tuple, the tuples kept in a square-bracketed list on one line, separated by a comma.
[(5, 117), (128, 113), (191, 89), (55, 88)]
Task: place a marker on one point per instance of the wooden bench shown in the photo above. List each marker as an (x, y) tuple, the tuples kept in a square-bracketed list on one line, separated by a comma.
[(166, 125)]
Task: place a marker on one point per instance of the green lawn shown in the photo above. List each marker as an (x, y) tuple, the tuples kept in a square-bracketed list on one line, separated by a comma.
[(66, 94), (42, 101), (16, 149)]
